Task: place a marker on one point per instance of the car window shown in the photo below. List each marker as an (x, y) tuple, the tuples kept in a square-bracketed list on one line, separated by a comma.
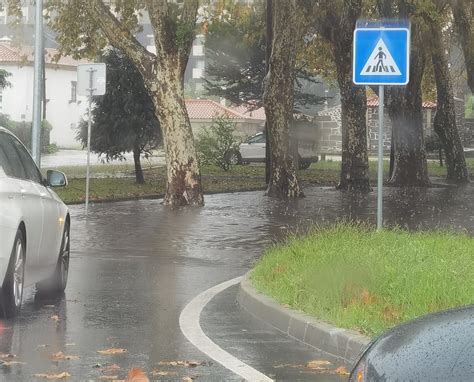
[(9, 158), (257, 139), (31, 171)]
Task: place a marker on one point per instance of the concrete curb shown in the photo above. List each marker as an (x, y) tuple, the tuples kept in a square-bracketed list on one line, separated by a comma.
[(340, 343)]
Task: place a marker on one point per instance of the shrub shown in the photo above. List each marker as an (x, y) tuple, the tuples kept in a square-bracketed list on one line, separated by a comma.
[(216, 144), (22, 130)]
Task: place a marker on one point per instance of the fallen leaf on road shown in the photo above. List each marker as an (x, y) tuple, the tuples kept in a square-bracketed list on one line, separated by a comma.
[(71, 344), (188, 379), (7, 355), (317, 364), (10, 363), (110, 368), (43, 346), (182, 363), (288, 365), (112, 351), (194, 363), (137, 375), (55, 317), (109, 377), (49, 306), (62, 375), (160, 373), (60, 356), (341, 371)]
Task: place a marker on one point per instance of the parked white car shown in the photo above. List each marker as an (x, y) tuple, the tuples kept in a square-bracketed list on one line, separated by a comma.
[(253, 150), (34, 226)]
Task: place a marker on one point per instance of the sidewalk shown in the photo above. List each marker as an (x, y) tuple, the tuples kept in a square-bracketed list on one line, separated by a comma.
[(79, 158)]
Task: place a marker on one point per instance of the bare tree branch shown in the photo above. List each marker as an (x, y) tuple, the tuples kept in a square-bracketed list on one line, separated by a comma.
[(160, 19), (463, 24), (188, 18), (121, 37)]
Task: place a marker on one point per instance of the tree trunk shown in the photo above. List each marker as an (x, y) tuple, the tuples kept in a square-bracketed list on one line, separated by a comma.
[(445, 118), (278, 101), (138, 166), (355, 162), (405, 110), (163, 76), (268, 53), (463, 12), (183, 174)]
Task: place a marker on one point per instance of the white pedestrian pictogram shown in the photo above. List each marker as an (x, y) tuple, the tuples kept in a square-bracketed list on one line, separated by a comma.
[(380, 62)]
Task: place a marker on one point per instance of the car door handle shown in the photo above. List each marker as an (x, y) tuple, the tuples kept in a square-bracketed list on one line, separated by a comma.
[(43, 195), (23, 192)]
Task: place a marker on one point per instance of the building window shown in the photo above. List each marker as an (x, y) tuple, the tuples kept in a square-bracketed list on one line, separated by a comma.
[(198, 45), (198, 50), (198, 73), (73, 91), (200, 64)]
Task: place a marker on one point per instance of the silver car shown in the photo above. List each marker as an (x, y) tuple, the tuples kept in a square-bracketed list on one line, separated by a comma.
[(34, 226), (253, 150)]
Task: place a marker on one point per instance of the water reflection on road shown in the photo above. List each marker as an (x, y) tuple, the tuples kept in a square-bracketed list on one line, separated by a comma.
[(136, 264)]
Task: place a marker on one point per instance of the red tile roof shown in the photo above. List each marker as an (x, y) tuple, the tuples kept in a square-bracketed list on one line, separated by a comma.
[(25, 54), (208, 109), (374, 102), (249, 113)]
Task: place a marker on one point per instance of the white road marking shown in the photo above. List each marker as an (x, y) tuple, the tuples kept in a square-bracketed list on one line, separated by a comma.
[(191, 328)]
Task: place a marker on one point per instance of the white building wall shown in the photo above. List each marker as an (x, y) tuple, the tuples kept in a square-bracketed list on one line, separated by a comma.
[(61, 113), (18, 98)]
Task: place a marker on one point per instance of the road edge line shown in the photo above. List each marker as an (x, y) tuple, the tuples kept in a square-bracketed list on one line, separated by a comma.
[(189, 323)]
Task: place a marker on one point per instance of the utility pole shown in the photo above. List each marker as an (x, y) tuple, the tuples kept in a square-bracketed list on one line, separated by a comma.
[(38, 84)]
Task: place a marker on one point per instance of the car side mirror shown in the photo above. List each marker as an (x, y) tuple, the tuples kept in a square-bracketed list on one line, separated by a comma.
[(56, 178)]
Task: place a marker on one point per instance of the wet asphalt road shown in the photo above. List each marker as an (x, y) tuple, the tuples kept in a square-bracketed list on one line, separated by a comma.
[(135, 265)]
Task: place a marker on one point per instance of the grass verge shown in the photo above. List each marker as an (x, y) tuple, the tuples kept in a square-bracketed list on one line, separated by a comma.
[(115, 181), (356, 278)]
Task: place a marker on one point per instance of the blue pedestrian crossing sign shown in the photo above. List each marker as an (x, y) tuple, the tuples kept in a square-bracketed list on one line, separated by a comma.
[(381, 55)]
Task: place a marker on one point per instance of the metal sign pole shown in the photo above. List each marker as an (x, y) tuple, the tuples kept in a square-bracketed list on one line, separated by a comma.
[(89, 126), (37, 85), (380, 161)]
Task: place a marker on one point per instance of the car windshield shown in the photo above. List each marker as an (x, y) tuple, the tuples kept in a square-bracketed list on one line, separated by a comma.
[(259, 138)]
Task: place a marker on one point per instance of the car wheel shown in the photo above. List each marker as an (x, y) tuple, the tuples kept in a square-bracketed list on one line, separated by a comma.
[(12, 288), (235, 158), (57, 283)]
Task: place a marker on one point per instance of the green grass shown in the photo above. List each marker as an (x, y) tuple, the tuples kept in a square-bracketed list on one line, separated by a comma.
[(354, 277), (109, 189), (109, 182)]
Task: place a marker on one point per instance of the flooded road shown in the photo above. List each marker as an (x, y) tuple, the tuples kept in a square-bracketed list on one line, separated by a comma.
[(136, 264)]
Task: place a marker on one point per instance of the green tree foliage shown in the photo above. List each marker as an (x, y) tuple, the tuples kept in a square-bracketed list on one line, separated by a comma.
[(217, 143), (124, 118), (469, 107), (3, 79), (84, 27), (235, 48), (22, 130)]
